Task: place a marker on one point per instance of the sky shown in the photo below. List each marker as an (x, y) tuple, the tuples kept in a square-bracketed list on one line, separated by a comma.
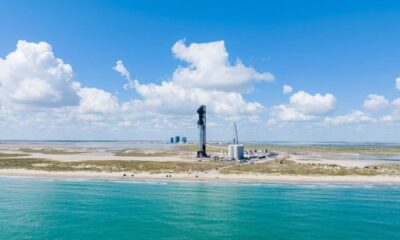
[(138, 70)]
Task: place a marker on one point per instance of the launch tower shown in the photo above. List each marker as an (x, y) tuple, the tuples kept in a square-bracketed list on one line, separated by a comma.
[(201, 124)]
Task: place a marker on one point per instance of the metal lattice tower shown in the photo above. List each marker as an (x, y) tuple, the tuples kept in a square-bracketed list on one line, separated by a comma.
[(201, 124)]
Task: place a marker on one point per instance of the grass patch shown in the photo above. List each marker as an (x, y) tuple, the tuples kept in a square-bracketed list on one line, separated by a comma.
[(48, 151), (25, 163), (289, 167), (110, 165), (13, 155)]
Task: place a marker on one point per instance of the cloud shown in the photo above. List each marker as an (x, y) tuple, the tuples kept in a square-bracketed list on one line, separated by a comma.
[(207, 79), (95, 100), (394, 114), (304, 107), (380, 104), (170, 98), (120, 68), (38, 90), (313, 104), (33, 76), (354, 117), (288, 113), (287, 89), (375, 102), (208, 67), (123, 71), (396, 102)]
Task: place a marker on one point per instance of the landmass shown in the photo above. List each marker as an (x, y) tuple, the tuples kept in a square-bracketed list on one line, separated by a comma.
[(178, 162)]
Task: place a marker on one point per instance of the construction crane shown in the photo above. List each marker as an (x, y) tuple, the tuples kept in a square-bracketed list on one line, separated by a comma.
[(236, 139)]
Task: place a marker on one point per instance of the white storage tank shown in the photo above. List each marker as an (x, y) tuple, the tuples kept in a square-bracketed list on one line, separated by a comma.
[(231, 152), (236, 151)]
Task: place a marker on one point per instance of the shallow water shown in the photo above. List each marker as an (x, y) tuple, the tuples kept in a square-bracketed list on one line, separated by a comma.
[(44, 208)]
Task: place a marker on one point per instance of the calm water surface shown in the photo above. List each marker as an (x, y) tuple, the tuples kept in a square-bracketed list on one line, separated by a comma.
[(40, 208)]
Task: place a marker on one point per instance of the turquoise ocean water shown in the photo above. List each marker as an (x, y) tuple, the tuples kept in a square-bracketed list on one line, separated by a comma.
[(41, 208)]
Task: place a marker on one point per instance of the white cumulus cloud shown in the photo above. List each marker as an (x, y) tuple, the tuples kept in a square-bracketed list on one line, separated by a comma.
[(304, 107), (313, 104), (207, 79), (208, 67), (37, 89), (33, 76), (171, 98), (288, 113), (398, 83), (376, 102), (95, 100)]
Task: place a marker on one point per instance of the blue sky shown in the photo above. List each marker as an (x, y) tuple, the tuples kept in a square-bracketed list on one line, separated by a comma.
[(345, 48)]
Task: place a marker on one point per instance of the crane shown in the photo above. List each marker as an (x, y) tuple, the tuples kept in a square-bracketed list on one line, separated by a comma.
[(236, 140)]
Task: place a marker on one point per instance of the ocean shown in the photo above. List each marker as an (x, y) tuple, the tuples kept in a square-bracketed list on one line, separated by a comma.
[(45, 208)]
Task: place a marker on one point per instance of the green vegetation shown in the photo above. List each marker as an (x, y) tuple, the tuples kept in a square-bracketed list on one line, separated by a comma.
[(110, 165), (137, 153), (278, 166), (373, 151), (25, 163), (13, 155), (48, 151), (289, 167)]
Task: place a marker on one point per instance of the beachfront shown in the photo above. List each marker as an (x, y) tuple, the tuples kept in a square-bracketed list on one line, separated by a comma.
[(157, 160)]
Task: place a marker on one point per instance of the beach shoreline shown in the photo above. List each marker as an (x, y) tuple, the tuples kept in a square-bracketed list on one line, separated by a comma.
[(380, 179)]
